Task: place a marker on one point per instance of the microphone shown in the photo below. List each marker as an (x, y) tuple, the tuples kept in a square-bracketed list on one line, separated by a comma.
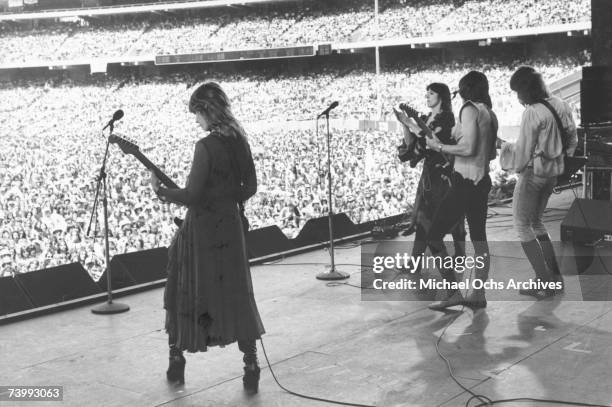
[(329, 109), (116, 116)]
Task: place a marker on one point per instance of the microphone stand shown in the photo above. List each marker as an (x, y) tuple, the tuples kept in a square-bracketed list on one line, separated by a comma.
[(333, 274), (109, 307), (318, 152)]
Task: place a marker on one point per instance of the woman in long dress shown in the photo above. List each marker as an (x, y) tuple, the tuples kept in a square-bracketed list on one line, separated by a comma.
[(209, 294), (433, 183)]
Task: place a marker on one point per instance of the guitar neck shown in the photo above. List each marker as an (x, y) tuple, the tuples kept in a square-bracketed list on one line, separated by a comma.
[(428, 133), (147, 163), (423, 126)]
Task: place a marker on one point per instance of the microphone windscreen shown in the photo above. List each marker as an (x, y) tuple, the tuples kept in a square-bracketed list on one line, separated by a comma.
[(118, 115)]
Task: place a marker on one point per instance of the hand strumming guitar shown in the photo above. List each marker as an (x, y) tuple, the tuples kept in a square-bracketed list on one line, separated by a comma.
[(433, 143), (155, 185), (154, 181)]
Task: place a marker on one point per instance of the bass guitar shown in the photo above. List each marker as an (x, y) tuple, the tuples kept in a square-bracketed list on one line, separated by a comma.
[(131, 148)]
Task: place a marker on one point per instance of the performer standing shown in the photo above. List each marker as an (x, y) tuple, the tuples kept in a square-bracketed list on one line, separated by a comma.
[(433, 184), (209, 295), (476, 134), (537, 156)]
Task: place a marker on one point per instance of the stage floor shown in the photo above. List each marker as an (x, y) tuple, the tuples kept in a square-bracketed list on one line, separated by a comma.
[(325, 341)]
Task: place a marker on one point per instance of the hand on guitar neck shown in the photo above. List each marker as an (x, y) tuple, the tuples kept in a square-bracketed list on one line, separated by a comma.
[(416, 116), (429, 133), (422, 127), (158, 177)]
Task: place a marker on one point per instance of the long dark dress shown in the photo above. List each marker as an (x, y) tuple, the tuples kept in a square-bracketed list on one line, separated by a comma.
[(432, 186), (209, 294)]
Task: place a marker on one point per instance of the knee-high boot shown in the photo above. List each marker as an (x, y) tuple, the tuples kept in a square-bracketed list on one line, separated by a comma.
[(250, 380), (549, 257), (176, 367), (534, 254)]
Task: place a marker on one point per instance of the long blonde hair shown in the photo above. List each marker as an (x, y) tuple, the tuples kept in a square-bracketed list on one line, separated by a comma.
[(210, 100)]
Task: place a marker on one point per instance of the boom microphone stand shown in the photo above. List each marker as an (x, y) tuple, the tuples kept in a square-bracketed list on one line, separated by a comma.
[(109, 307), (333, 274)]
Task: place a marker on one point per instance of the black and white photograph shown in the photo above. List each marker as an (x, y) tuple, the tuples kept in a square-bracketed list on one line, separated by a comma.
[(279, 203)]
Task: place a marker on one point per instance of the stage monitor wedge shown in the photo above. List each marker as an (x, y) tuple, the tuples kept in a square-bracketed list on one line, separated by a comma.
[(136, 268), (57, 284), (267, 241), (12, 297), (317, 230), (587, 221)]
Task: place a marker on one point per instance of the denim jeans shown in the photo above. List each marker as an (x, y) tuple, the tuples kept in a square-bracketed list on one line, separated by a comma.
[(530, 198)]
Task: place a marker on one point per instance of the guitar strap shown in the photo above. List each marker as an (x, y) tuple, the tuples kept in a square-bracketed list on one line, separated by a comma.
[(564, 140)]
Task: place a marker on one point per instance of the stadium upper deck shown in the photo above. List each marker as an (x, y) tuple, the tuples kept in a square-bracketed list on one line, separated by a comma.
[(142, 35)]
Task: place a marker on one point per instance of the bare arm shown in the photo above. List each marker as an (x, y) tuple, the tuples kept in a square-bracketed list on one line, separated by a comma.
[(466, 146)]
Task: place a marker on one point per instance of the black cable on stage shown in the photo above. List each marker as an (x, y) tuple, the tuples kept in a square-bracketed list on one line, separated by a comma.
[(566, 403), (484, 400), (342, 403), (337, 284), (450, 367)]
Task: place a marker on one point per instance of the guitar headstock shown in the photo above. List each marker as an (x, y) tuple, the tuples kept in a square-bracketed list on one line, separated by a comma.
[(410, 111), (125, 144)]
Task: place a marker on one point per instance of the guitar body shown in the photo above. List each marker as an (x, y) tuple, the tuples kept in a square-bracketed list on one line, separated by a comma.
[(445, 163)]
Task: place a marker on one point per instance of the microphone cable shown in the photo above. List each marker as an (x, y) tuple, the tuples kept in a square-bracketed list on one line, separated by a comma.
[(341, 403)]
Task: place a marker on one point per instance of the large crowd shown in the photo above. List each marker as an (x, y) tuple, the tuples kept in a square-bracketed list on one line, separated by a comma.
[(52, 147), (507, 15), (74, 4), (301, 96), (273, 25)]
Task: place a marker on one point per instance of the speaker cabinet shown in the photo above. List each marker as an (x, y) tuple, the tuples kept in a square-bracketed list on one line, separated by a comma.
[(587, 221), (12, 297), (136, 268)]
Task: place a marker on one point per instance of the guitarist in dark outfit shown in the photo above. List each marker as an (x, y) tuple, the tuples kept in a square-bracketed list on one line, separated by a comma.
[(434, 181), (209, 298)]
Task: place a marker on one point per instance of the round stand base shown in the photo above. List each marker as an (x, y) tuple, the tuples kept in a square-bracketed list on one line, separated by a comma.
[(333, 275), (110, 308)]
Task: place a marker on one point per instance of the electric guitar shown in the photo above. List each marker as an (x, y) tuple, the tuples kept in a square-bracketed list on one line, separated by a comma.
[(131, 148), (446, 167)]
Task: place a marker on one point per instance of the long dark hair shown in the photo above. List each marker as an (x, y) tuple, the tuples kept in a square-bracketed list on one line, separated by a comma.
[(474, 86), (443, 92), (210, 100), (528, 85)]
